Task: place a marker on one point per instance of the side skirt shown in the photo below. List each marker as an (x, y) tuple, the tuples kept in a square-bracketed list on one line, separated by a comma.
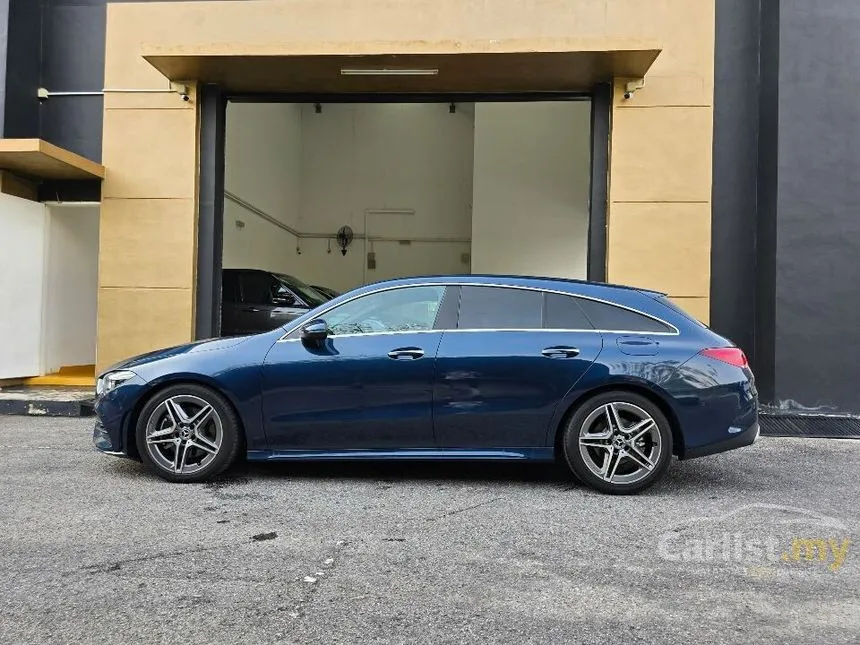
[(451, 454)]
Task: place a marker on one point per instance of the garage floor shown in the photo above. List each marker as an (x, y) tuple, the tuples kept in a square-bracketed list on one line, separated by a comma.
[(94, 550)]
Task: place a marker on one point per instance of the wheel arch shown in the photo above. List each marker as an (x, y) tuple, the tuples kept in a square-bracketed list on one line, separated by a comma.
[(658, 399), (162, 384)]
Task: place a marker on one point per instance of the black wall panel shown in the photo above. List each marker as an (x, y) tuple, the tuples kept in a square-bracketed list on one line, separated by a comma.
[(817, 336)]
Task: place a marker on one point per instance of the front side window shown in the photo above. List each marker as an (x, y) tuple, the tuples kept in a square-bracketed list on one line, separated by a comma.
[(310, 295), (406, 309), (500, 308)]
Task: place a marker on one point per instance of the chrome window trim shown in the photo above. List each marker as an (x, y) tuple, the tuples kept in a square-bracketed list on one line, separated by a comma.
[(676, 331)]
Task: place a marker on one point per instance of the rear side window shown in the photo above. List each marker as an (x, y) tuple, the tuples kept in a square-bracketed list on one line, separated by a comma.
[(564, 312), (258, 288), (611, 318), (500, 308)]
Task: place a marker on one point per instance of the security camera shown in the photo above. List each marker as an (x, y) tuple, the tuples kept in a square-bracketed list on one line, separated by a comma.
[(185, 97), (631, 87)]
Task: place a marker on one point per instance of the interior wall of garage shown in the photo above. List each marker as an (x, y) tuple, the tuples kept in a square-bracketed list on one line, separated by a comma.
[(263, 151), (531, 188), (71, 286), (512, 177), (355, 165)]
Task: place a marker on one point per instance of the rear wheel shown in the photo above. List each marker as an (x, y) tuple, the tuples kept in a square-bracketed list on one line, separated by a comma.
[(188, 433), (618, 442)]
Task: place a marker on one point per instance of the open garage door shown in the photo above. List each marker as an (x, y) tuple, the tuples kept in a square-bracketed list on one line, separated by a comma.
[(326, 196)]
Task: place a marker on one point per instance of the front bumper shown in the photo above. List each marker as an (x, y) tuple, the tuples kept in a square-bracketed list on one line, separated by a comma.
[(102, 440), (745, 437), (113, 416)]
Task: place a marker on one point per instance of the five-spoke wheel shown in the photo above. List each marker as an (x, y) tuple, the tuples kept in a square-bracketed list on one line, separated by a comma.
[(187, 433), (618, 442)]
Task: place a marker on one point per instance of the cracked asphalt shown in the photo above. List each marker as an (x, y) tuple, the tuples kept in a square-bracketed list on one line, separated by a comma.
[(95, 550)]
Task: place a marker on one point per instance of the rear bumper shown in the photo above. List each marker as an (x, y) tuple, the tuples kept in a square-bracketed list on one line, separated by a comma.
[(740, 439)]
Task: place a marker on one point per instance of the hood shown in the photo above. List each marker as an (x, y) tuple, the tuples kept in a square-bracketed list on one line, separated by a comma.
[(188, 348)]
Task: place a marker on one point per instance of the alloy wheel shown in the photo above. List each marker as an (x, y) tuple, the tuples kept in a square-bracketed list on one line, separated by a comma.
[(184, 434), (620, 443)]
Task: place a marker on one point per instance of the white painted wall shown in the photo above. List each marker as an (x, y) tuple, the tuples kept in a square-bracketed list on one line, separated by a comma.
[(351, 158), (263, 166), (526, 210), (23, 243), (532, 173), (71, 286)]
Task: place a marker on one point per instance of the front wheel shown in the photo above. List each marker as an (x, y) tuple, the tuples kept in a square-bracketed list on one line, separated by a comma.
[(187, 433), (618, 442)]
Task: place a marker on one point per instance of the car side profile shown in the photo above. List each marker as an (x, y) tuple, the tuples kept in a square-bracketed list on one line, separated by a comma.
[(612, 381)]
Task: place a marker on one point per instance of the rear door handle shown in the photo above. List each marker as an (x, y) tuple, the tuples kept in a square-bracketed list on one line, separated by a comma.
[(406, 352), (560, 352), (250, 310)]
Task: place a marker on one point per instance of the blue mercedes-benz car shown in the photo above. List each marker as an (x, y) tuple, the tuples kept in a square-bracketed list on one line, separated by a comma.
[(612, 381)]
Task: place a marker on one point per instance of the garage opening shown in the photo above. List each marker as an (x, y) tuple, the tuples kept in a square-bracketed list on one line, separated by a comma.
[(321, 197)]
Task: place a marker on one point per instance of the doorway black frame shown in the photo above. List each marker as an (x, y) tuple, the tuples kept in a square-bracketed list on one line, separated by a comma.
[(213, 119)]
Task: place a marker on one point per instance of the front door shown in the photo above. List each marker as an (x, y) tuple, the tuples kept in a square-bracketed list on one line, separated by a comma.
[(368, 386), (500, 376)]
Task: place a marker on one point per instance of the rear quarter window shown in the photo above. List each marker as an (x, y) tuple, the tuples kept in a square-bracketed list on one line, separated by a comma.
[(609, 317)]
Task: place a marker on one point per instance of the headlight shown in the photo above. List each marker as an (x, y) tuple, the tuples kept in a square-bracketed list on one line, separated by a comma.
[(110, 380)]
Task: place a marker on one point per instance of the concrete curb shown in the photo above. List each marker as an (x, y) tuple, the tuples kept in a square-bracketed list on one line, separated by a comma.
[(42, 408)]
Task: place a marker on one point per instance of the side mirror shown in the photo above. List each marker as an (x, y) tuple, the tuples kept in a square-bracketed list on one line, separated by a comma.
[(283, 300), (315, 330)]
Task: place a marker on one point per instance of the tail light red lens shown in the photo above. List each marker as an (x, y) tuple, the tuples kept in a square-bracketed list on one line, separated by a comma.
[(730, 355)]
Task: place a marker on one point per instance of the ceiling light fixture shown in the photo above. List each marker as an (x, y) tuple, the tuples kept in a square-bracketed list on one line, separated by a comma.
[(388, 72)]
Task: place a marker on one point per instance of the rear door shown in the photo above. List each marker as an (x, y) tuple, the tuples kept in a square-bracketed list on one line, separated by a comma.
[(501, 374)]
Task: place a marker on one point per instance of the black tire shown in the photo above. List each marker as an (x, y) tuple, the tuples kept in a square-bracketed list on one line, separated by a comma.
[(222, 424), (627, 406)]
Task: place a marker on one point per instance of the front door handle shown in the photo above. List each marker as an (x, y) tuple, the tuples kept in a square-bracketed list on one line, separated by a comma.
[(560, 352), (406, 352), (250, 310)]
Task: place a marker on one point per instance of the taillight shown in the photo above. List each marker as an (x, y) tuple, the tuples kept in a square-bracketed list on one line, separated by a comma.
[(730, 355)]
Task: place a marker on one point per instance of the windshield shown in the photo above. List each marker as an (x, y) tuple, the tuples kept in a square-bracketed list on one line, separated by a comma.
[(310, 295)]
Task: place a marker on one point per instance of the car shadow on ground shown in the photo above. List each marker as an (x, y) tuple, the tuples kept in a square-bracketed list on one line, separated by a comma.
[(685, 478)]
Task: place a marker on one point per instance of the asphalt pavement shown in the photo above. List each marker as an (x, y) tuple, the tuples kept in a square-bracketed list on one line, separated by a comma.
[(758, 545)]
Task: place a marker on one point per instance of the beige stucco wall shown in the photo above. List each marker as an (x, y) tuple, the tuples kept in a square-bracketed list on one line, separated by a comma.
[(660, 161)]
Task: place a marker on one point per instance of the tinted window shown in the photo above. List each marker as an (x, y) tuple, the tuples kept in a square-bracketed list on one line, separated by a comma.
[(258, 288), (407, 309), (310, 295), (612, 318), (564, 312), (229, 287), (500, 308)]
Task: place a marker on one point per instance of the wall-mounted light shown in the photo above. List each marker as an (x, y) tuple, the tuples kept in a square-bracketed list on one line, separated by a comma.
[(240, 224), (318, 108), (386, 71)]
